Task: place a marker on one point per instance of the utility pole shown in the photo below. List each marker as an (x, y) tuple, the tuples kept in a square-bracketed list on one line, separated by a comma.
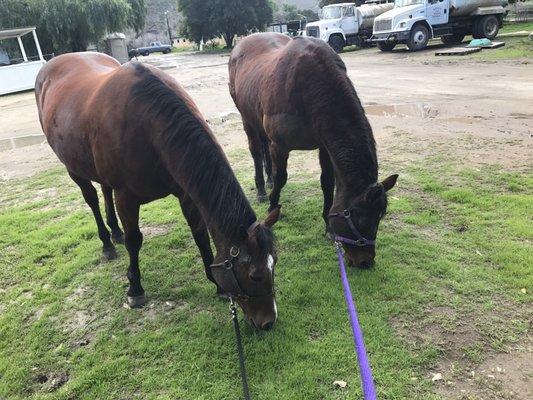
[(168, 27)]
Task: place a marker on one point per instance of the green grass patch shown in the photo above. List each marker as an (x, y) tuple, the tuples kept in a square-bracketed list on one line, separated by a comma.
[(454, 249), (509, 27)]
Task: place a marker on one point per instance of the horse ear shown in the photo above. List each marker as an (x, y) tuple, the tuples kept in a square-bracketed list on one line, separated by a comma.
[(373, 193), (389, 182), (273, 217)]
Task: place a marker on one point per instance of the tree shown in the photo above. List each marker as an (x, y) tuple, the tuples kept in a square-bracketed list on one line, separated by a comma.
[(309, 14), (289, 12), (197, 24), (226, 18), (70, 25)]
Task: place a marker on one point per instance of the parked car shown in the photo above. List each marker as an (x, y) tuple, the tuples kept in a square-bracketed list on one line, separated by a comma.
[(155, 47)]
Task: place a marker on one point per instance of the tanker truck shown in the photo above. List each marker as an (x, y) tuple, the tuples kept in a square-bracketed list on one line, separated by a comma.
[(345, 24), (414, 22)]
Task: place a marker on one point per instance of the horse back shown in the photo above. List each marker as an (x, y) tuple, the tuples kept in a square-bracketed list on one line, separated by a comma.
[(272, 78)]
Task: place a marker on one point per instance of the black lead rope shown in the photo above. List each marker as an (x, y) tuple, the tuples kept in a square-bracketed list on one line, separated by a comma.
[(245, 390)]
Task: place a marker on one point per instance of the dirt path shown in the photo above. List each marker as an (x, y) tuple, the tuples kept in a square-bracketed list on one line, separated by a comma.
[(478, 111)]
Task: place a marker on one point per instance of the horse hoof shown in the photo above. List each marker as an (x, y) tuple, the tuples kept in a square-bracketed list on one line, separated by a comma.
[(137, 301), (118, 239), (261, 198), (269, 184), (110, 254)]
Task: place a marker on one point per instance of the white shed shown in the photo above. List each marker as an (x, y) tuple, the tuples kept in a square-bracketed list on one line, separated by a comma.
[(19, 74)]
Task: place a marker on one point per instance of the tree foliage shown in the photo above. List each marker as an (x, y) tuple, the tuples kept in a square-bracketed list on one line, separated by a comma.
[(227, 18), (289, 12), (70, 25)]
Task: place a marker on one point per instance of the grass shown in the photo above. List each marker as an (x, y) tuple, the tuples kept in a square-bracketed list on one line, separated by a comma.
[(509, 27), (455, 248), (515, 47)]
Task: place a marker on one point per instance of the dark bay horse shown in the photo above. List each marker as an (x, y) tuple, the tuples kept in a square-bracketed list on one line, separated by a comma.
[(295, 94), (135, 131)]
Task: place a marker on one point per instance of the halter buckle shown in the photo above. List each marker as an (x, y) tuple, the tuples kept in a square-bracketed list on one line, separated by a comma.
[(234, 251), (346, 213), (228, 264)]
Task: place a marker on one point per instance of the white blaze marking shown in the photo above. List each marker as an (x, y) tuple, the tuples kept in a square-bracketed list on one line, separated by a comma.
[(270, 262)]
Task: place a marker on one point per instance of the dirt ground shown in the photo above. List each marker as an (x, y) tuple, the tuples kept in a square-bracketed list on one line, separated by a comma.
[(478, 112), (481, 112)]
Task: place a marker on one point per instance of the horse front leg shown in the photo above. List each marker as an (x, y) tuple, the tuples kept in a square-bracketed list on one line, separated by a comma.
[(128, 210), (268, 162), (279, 157), (327, 181), (200, 235)]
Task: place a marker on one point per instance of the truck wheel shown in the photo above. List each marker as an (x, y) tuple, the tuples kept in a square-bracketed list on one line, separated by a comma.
[(145, 53), (419, 38), (486, 27), (456, 38), (386, 46), (336, 43), (166, 51)]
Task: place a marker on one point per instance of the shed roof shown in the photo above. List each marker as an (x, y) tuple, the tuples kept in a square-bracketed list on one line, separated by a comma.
[(13, 33)]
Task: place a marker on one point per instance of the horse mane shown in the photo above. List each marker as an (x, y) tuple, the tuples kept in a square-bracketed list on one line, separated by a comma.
[(334, 105), (191, 154)]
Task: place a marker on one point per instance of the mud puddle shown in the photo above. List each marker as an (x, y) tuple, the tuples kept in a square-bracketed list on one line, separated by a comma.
[(21, 141), (420, 110)]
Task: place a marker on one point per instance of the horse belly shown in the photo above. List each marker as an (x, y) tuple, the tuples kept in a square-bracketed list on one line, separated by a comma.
[(289, 130)]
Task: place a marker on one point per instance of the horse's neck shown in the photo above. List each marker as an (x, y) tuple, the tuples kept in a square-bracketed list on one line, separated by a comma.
[(354, 161), (209, 182)]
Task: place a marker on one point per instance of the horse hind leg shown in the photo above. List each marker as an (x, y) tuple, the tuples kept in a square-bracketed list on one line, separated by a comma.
[(91, 198), (128, 210), (116, 233)]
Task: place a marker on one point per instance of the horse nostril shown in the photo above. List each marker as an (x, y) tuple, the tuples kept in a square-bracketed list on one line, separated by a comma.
[(267, 326)]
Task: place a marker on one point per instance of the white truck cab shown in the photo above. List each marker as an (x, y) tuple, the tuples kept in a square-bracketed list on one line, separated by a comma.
[(414, 22), (345, 24)]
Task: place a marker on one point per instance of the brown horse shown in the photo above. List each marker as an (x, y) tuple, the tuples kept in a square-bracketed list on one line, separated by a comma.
[(136, 132), (295, 94)]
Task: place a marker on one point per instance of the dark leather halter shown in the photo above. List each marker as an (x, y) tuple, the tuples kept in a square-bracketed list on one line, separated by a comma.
[(228, 266), (360, 240)]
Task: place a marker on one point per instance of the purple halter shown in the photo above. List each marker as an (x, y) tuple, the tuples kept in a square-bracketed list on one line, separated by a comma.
[(361, 241)]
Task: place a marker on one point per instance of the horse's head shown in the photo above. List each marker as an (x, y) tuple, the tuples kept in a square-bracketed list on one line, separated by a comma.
[(356, 227), (248, 272)]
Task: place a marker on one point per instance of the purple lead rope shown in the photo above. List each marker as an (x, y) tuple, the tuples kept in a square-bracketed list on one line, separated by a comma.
[(367, 382)]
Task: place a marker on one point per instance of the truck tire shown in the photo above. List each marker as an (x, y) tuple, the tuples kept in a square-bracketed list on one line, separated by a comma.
[(456, 38), (337, 43), (486, 27), (166, 51), (386, 46), (419, 38), (145, 53)]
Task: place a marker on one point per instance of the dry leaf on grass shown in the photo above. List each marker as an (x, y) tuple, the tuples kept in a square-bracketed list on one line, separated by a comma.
[(437, 377), (341, 384)]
